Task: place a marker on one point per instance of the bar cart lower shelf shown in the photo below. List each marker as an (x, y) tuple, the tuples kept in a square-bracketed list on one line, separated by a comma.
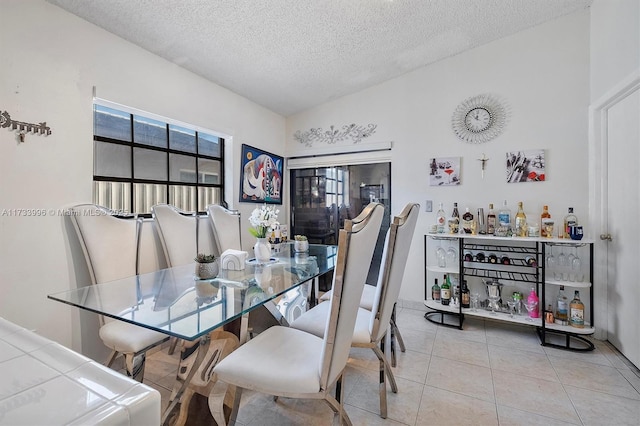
[(550, 335)]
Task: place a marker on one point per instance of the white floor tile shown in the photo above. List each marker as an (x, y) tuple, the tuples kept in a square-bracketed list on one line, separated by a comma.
[(486, 374)]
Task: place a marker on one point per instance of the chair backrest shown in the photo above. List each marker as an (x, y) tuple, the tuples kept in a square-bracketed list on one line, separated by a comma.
[(178, 231), (356, 243), (226, 228), (110, 241), (394, 260)]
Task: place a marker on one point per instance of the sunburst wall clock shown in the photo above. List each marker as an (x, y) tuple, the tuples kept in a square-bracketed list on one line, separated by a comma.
[(479, 119)]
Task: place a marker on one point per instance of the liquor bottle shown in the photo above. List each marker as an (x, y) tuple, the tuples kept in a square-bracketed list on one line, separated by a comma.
[(576, 311), (445, 291), (491, 220), (467, 222), (482, 227), (545, 218), (441, 220), (521, 222), (504, 216), (435, 291), (569, 220), (562, 308), (465, 295), (533, 298), (454, 222), (548, 315)]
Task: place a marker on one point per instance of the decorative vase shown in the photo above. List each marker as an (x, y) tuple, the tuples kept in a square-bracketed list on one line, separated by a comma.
[(262, 250), (206, 271), (301, 246)]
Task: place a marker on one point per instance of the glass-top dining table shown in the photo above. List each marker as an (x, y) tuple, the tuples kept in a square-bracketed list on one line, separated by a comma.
[(174, 302)]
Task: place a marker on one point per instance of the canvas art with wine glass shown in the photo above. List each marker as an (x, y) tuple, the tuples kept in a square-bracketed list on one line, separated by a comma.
[(444, 171)]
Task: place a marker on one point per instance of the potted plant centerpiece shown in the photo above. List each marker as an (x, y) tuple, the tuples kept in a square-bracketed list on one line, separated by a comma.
[(206, 266), (262, 220), (300, 244)]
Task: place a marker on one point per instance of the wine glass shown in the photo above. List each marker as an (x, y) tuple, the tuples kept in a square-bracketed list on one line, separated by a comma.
[(562, 265), (576, 269), (441, 255), (493, 301), (551, 263), (475, 296), (452, 257), (512, 304), (494, 295), (530, 306), (570, 257)]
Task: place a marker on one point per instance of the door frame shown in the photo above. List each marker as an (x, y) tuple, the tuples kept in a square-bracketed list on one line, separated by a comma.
[(598, 200)]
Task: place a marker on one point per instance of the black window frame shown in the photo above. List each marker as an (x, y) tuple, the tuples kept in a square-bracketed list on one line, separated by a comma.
[(168, 183)]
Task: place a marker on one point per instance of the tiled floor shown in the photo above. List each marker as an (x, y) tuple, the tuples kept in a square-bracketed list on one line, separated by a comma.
[(488, 374)]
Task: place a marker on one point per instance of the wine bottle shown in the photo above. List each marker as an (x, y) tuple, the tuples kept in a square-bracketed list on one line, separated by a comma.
[(545, 218), (562, 308), (576, 311), (441, 220), (467, 222), (445, 291), (521, 222), (569, 220), (504, 216), (491, 220), (454, 222), (465, 295), (493, 258), (435, 291)]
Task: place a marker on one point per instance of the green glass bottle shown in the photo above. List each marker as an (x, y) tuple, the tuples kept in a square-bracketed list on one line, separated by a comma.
[(445, 291), (435, 291)]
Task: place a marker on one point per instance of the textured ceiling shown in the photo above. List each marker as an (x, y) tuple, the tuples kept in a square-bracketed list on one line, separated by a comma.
[(290, 55)]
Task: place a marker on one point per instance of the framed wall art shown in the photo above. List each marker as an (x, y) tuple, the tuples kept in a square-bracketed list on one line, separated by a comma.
[(526, 166), (260, 176), (445, 171)]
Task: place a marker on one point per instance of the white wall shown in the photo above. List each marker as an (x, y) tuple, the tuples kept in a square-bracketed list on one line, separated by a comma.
[(51, 60), (542, 72), (615, 43)]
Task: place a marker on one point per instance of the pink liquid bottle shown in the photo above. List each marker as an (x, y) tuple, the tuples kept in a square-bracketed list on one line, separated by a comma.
[(531, 299)]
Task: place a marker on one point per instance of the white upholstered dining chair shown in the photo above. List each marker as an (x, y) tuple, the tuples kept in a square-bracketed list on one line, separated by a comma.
[(110, 243), (366, 302), (183, 234), (226, 227), (287, 362), (372, 325)]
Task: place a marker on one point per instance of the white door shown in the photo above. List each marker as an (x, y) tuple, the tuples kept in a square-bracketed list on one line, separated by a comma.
[(614, 203), (623, 187)]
